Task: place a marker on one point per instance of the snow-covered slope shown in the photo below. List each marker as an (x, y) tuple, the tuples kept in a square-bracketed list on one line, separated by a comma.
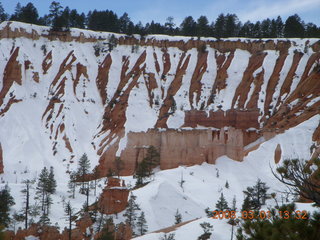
[(62, 95)]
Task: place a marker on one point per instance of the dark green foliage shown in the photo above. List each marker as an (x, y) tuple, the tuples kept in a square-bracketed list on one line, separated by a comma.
[(83, 170), (142, 226), (177, 217), (28, 14), (103, 21), (303, 178), (255, 196), (131, 211), (188, 26), (166, 236), (7, 202), (222, 204), (145, 167), (280, 228), (52, 184), (106, 20), (3, 14), (207, 231), (203, 28), (293, 27), (70, 217)]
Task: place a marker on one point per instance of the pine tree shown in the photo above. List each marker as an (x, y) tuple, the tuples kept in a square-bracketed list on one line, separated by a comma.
[(188, 26), (293, 27), (169, 236), (207, 229), (177, 217), (7, 202), (257, 195), (226, 185), (44, 220), (52, 184), (222, 204), (70, 217), (42, 187), (219, 26), (72, 183), (118, 165), (83, 170), (26, 194), (3, 14), (131, 211), (142, 224), (203, 28), (28, 14)]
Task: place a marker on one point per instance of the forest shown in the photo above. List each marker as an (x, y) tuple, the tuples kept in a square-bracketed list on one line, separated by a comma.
[(61, 18)]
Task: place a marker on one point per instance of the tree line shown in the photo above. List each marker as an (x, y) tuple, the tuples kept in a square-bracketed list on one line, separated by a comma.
[(62, 18)]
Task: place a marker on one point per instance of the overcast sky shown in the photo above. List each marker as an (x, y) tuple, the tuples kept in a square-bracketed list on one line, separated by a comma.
[(159, 10)]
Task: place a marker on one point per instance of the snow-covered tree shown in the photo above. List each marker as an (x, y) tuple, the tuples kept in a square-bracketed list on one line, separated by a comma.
[(222, 204)]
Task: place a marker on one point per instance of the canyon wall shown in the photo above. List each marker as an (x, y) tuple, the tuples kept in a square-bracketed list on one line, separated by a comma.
[(63, 94)]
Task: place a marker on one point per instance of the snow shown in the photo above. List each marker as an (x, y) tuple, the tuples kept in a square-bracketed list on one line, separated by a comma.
[(27, 141)]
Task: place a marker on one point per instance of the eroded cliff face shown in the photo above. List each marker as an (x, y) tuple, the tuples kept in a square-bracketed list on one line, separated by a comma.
[(194, 100)]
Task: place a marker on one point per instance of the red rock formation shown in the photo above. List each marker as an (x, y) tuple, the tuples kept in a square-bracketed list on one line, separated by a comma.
[(12, 73), (103, 77), (277, 154), (195, 86), (174, 87), (240, 119), (114, 198), (182, 147)]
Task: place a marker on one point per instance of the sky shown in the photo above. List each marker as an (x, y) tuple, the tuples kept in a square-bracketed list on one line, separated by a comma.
[(158, 10)]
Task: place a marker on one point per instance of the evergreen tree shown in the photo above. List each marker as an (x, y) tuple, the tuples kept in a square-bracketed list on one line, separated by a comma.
[(169, 25), (52, 184), (118, 165), (188, 27), (152, 159), (72, 183), (281, 226), (280, 26), (303, 177), (26, 194), (17, 12), (124, 23), (42, 187), (131, 211), (256, 195), (29, 14), (44, 220), (266, 28), (169, 236), (293, 27), (3, 14), (219, 26), (207, 231), (177, 217), (226, 185), (7, 202), (70, 217), (142, 224), (231, 25), (83, 170), (222, 204), (203, 28)]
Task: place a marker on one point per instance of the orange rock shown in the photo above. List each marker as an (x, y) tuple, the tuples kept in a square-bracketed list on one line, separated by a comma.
[(114, 197), (277, 154)]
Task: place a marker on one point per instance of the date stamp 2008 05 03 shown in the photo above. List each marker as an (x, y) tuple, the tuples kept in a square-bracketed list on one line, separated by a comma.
[(259, 214)]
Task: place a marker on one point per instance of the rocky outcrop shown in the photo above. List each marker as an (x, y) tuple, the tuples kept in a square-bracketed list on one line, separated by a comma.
[(239, 119), (182, 147), (277, 154), (114, 198)]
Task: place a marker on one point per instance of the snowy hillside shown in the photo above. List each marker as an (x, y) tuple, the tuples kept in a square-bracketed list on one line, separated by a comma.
[(110, 95)]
